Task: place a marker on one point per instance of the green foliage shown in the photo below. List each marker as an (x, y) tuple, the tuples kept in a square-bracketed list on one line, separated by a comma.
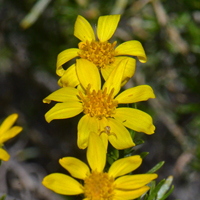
[(3, 197), (155, 168), (160, 191)]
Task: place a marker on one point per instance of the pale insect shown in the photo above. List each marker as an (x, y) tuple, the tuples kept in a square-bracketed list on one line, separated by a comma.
[(107, 131)]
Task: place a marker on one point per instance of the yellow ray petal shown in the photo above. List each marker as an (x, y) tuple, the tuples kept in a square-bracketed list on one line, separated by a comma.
[(128, 72), (119, 136), (131, 182), (106, 26), (75, 167), (83, 30), (67, 94), (8, 122), (10, 134), (102, 123), (69, 78), (4, 155), (64, 111), (135, 94), (106, 71), (124, 166), (96, 153), (88, 73), (62, 184), (64, 57), (86, 125), (131, 194), (104, 139), (132, 48), (135, 119), (115, 78)]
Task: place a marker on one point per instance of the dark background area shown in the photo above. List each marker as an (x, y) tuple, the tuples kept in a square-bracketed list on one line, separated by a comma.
[(170, 34)]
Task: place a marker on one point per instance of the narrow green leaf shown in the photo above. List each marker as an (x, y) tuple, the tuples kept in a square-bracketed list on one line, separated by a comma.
[(139, 141), (168, 193), (165, 187), (152, 185), (144, 154), (155, 168), (155, 191)]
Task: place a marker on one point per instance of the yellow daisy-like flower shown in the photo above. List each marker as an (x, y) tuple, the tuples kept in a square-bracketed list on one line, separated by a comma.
[(100, 106), (6, 133), (97, 184), (100, 52)]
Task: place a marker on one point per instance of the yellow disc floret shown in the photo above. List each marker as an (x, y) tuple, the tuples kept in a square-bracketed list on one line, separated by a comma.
[(98, 104), (99, 186), (99, 53)]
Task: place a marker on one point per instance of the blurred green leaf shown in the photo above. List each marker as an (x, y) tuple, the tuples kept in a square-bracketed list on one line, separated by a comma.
[(139, 141), (144, 154), (34, 14), (157, 167), (153, 193), (165, 187), (3, 197)]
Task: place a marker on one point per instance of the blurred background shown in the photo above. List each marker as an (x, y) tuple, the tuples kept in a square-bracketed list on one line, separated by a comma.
[(32, 33)]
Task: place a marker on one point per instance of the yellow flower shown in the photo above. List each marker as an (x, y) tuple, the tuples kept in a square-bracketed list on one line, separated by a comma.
[(100, 106), (97, 184), (102, 53), (6, 133)]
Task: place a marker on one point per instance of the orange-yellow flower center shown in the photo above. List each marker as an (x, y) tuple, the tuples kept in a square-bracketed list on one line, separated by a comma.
[(99, 186), (100, 53), (98, 104)]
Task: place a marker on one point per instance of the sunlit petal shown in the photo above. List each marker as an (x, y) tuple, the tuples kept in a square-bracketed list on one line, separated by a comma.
[(83, 30), (10, 134), (131, 194), (88, 73), (4, 155), (75, 167), (96, 153), (64, 57), (135, 94), (130, 182), (69, 78), (115, 78), (8, 122), (106, 26), (102, 123), (119, 136), (124, 166), (104, 138), (106, 71), (64, 111), (86, 125), (62, 184), (67, 94), (132, 48), (128, 72), (135, 119)]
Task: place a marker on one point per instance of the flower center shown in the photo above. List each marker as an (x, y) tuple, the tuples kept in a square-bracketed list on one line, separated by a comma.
[(100, 53), (99, 186), (98, 104)]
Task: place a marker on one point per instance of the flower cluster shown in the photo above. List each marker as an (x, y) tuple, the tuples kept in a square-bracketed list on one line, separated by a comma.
[(92, 86)]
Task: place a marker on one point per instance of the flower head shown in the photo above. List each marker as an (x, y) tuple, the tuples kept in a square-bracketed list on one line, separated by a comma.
[(100, 106), (100, 52), (97, 184), (6, 133)]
